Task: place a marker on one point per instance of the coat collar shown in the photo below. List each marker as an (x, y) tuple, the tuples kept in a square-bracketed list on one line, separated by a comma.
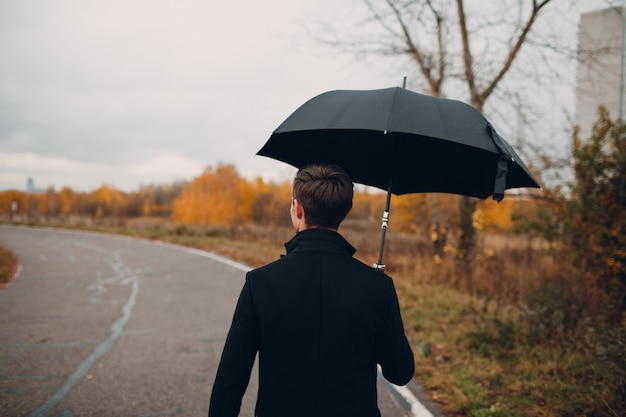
[(319, 241)]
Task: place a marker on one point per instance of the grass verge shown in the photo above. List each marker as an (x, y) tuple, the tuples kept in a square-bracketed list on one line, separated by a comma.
[(477, 359), (8, 266)]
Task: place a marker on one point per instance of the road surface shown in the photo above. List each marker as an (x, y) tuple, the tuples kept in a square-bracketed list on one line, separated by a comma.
[(105, 325)]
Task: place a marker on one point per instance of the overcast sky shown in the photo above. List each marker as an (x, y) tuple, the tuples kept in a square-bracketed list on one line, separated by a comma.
[(134, 92)]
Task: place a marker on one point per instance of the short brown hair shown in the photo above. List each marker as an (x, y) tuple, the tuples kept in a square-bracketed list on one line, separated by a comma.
[(325, 192)]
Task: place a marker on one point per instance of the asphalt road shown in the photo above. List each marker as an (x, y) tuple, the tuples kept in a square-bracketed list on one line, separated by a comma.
[(104, 325)]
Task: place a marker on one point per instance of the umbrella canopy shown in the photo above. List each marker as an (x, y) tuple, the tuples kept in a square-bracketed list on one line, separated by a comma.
[(402, 142)]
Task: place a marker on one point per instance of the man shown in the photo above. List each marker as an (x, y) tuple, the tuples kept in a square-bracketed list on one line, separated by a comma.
[(320, 320)]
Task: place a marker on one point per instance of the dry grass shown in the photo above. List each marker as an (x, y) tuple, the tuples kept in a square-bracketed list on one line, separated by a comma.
[(8, 266)]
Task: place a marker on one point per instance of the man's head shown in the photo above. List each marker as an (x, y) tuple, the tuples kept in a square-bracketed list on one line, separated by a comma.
[(322, 196)]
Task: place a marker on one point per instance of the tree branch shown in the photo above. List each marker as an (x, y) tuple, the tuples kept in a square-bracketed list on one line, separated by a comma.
[(435, 85), (440, 45), (513, 52), (467, 58)]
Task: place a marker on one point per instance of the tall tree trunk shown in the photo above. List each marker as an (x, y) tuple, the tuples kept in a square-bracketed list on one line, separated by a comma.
[(438, 236), (467, 239)]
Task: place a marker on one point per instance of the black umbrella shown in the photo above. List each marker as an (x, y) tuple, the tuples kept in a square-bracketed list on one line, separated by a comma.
[(402, 142)]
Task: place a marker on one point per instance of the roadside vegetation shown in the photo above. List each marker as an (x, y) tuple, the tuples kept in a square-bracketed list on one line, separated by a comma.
[(8, 265), (537, 327)]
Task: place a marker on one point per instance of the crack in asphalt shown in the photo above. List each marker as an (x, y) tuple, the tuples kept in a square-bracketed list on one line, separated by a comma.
[(126, 276)]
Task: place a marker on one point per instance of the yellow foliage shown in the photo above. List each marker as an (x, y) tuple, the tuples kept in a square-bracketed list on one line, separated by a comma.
[(220, 196), (271, 203), (280, 203), (493, 216), (422, 211), (146, 209), (66, 199), (7, 197), (409, 211), (109, 200), (367, 206), (217, 197)]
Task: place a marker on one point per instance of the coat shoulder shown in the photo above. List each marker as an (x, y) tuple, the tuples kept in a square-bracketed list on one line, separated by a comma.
[(266, 269), (294, 264)]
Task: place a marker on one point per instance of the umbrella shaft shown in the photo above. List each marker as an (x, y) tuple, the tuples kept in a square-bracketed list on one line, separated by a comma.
[(380, 265)]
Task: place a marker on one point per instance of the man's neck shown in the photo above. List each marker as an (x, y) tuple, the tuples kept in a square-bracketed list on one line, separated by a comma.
[(306, 227)]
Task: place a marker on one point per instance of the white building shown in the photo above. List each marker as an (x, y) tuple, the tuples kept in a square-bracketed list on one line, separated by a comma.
[(600, 76)]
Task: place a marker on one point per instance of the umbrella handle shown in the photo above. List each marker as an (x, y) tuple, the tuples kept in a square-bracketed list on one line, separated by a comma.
[(380, 266)]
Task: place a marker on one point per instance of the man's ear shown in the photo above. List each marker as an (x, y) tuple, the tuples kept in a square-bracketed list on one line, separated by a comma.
[(299, 209)]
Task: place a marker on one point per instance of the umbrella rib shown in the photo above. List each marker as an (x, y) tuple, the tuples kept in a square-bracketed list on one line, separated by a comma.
[(392, 109)]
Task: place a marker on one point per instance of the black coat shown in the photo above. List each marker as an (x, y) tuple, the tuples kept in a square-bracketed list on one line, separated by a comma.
[(321, 322)]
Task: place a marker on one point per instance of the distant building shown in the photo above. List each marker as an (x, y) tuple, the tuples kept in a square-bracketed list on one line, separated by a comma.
[(600, 75), (30, 187)]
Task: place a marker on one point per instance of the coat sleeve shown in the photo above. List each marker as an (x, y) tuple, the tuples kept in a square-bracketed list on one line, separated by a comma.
[(393, 351), (233, 372)]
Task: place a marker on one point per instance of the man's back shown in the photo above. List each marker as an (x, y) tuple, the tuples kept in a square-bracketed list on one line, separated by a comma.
[(321, 321)]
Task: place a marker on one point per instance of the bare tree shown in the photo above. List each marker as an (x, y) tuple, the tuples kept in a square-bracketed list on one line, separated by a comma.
[(463, 51)]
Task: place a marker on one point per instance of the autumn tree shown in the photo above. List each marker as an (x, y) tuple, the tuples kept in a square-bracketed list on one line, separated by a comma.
[(108, 201), (220, 196), (105, 201), (271, 203), (154, 199), (366, 207), (496, 217), (585, 221), (66, 200), (595, 213), (8, 197), (47, 203)]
